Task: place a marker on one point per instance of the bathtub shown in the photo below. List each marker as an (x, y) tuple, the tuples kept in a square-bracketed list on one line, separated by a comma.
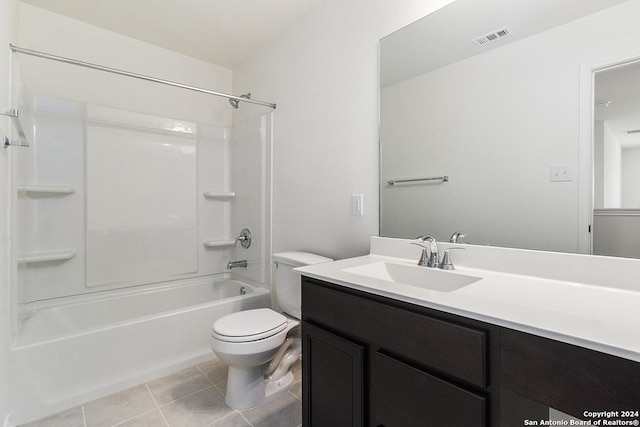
[(86, 347)]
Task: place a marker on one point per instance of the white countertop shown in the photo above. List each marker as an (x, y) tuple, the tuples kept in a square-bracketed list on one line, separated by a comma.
[(602, 318)]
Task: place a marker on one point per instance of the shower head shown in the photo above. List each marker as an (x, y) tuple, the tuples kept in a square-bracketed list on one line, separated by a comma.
[(235, 102)]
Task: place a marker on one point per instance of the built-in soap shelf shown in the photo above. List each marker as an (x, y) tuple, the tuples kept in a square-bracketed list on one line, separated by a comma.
[(214, 194), (47, 190), (35, 257), (218, 243)]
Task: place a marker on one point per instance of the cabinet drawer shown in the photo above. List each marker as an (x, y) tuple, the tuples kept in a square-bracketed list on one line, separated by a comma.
[(567, 377), (453, 349), (407, 397)]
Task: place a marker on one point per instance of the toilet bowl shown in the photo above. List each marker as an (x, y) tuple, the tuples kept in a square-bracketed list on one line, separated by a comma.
[(246, 341), (260, 345)]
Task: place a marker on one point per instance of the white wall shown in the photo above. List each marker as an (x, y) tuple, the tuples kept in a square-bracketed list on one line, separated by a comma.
[(8, 19), (616, 172), (56, 34), (598, 164), (323, 75), (631, 178), (612, 170)]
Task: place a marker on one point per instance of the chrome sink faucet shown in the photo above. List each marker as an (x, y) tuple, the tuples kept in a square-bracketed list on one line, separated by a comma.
[(433, 259), (457, 235)]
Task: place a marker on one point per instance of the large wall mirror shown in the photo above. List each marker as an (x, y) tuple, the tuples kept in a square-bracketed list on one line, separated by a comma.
[(483, 121)]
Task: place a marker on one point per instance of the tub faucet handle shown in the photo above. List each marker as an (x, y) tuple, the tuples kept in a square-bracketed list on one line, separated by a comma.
[(244, 238)]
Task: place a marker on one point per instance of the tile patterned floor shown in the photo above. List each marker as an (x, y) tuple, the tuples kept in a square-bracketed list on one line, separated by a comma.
[(193, 397)]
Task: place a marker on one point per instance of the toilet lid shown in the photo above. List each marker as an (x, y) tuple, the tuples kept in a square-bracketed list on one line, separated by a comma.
[(249, 325)]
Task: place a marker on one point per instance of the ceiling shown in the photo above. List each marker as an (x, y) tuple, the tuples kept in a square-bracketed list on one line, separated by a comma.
[(445, 36), (222, 32)]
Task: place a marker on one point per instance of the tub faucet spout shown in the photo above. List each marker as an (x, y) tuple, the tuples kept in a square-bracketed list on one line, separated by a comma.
[(236, 264)]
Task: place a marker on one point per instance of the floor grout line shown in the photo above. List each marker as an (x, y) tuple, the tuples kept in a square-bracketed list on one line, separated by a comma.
[(84, 417), (219, 389), (245, 418), (186, 396), (157, 405), (152, 396), (133, 418), (163, 417), (205, 375), (222, 418)]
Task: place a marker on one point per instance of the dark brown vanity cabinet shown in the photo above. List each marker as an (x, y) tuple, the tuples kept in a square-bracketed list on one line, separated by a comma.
[(372, 361), (375, 361)]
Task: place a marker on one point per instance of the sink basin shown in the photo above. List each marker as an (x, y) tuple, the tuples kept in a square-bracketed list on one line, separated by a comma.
[(413, 275)]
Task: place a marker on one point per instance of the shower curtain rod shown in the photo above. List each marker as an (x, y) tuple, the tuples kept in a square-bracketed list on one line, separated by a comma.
[(135, 75)]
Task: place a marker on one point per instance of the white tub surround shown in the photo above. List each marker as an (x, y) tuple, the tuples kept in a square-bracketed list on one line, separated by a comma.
[(585, 300)]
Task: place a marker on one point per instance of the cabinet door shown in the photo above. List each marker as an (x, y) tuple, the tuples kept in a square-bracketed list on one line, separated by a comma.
[(332, 372), (408, 397)]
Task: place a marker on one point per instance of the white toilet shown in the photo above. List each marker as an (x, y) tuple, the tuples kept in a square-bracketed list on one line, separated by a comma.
[(261, 345)]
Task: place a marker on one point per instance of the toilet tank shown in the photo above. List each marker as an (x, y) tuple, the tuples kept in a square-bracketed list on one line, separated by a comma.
[(287, 282)]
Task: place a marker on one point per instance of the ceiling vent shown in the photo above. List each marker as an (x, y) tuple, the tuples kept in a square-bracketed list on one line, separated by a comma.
[(492, 36)]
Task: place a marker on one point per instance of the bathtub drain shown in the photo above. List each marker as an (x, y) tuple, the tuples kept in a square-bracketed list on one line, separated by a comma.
[(243, 290)]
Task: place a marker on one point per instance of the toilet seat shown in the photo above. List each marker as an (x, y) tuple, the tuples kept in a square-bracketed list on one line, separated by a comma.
[(249, 325)]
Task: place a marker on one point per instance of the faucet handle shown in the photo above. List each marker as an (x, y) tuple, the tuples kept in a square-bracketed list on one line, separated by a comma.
[(244, 238), (424, 259), (446, 263)]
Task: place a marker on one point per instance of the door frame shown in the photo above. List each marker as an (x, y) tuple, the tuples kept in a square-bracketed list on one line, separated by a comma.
[(586, 187)]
